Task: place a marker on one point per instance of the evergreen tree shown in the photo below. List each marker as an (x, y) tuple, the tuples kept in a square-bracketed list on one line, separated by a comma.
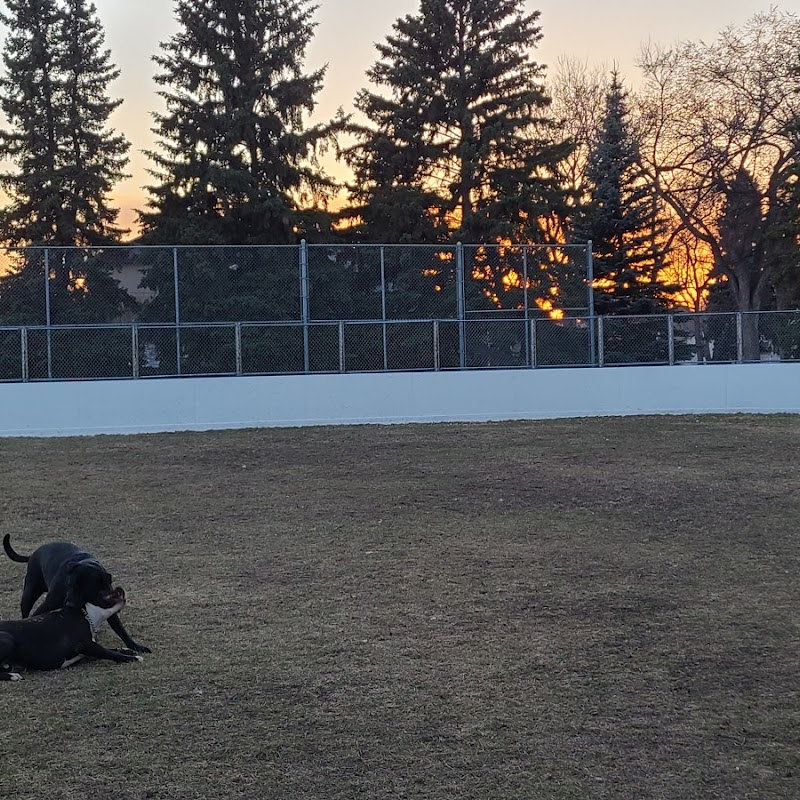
[(28, 98), (622, 218), (54, 95), (459, 145), (95, 156), (236, 162), (55, 98)]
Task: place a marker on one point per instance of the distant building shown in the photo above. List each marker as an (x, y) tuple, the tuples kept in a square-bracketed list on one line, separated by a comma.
[(130, 277)]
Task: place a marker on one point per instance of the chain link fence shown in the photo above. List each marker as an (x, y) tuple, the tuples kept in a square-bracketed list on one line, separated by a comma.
[(139, 312), (142, 350), (277, 283)]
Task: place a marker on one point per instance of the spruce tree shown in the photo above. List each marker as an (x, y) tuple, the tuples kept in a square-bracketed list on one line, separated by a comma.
[(95, 156), (621, 217), (54, 95), (28, 98), (237, 163), (458, 144)]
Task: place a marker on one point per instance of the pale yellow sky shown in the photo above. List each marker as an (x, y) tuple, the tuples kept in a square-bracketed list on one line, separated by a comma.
[(601, 32)]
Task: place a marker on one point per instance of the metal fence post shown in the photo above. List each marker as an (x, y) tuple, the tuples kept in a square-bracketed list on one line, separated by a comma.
[(534, 354), (671, 339), (23, 342), (304, 304), (177, 311), (739, 339), (383, 310), (461, 306), (437, 359), (47, 286), (47, 313), (341, 346), (590, 298), (600, 353), (135, 350), (528, 359), (237, 332)]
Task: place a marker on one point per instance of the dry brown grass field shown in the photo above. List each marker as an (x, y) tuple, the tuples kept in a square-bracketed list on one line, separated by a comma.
[(597, 608)]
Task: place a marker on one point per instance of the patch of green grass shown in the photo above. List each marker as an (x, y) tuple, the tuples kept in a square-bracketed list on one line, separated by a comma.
[(565, 609)]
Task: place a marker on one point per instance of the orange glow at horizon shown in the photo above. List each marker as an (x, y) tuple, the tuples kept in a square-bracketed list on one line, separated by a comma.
[(691, 266)]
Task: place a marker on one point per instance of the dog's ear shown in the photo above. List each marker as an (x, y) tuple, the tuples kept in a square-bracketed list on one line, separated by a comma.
[(71, 588), (72, 570)]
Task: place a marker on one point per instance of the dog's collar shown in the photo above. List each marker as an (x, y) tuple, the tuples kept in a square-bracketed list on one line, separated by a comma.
[(91, 624)]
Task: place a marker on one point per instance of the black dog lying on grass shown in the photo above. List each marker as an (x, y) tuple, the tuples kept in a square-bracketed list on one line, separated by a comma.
[(60, 638), (58, 567)]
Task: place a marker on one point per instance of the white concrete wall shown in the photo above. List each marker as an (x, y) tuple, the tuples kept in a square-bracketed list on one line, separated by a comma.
[(92, 407)]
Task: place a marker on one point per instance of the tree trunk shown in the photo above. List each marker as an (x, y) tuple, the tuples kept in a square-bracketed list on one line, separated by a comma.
[(748, 309)]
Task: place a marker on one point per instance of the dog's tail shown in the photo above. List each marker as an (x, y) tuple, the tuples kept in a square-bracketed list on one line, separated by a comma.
[(10, 551)]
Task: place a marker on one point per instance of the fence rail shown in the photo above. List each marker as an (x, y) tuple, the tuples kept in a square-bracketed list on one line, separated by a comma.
[(148, 350)]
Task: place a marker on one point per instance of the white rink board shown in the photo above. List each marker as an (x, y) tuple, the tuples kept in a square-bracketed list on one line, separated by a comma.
[(182, 404)]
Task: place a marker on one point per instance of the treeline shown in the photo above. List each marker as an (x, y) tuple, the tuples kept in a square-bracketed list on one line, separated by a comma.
[(687, 187)]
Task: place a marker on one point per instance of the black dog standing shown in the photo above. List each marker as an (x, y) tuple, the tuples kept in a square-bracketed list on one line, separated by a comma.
[(58, 568)]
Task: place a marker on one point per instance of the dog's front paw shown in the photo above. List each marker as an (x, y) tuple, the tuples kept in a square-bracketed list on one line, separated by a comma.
[(133, 654), (125, 656), (140, 648)]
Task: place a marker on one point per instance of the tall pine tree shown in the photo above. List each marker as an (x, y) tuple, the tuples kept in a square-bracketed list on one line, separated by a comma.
[(96, 154), (28, 98), (54, 95), (458, 145), (621, 217), (237, 163)]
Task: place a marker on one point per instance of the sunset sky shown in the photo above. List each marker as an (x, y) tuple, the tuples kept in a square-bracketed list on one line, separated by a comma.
[(600, 32)]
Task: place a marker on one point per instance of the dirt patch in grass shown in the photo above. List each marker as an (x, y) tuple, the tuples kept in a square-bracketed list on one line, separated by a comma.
[(565, 609)]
